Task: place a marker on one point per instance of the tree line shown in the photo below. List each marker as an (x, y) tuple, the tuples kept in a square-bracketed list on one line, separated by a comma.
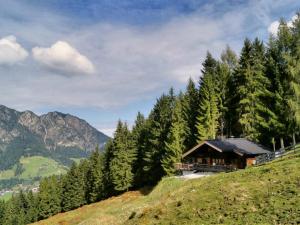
[(255, 95)]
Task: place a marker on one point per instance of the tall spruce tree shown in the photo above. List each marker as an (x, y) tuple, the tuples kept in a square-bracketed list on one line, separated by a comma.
[(32, 210), (225, 72), (139, 135), (95, 177), (252, 89), (175, 140), (107, 157), (277, 70), (10, 213), (49, 197), (190, 113), (207, 120), (2, 211), (73, 194), (160, 120), (293, 79), (121, 165)]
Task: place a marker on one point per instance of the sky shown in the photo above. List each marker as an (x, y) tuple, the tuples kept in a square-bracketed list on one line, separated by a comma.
[(105, 60)]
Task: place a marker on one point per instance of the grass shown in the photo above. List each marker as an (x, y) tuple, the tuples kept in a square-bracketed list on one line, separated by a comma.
[(35, 166), (38, 166), (6, 196), (267, 194)]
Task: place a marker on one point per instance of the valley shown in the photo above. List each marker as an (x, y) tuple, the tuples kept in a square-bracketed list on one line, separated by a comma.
[(33, 147)]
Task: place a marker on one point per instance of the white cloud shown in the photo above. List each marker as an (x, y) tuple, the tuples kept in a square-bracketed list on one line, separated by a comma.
[(63, 57), (11, 51), (108, 131), (273, 28), (137, 62)]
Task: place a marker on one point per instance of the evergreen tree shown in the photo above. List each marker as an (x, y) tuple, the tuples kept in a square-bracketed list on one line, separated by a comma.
[(139, 135), (20, 206), (108, 156), (10, 213), (225, 72), (277, 71), (252, 90), (207, 120), (160, 120), (73, 193), (32, 210), (95, 180), (190, 113), (49, 197), (175, 140), (293, 79), (2, 211), (123, 158)]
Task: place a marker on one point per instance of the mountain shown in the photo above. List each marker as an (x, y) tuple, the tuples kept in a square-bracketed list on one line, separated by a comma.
[(55, 135)]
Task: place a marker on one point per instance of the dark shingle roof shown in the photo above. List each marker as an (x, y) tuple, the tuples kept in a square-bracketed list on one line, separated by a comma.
[(240, 146), (247, 147)]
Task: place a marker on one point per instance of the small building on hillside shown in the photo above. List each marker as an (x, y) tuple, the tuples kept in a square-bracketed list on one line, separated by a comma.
[(221, 155)]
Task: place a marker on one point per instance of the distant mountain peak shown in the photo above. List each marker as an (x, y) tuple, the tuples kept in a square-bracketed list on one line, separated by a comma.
[(54, 133)]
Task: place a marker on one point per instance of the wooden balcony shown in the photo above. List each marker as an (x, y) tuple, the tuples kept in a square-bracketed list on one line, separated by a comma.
[(204, 167)]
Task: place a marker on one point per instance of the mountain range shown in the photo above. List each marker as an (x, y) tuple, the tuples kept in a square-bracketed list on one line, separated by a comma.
[(55, 135)]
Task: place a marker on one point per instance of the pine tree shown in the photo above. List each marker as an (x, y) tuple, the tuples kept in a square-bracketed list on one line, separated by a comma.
[(32, 210), (2, 211), (139, 135), (49, 197), (190, 113), (21, 207), (123, 158), (160, 120), (95, 186), (10, 213), (108, 156), (175, 140), (277, 71), (207, 120), (224, 82), (293, 79), (252, 90), (73, 193)]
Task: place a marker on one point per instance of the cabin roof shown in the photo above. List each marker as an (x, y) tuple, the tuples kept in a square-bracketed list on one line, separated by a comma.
[(240, 146)]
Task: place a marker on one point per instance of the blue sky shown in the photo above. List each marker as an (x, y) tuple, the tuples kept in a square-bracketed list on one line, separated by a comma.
[(105, 60)]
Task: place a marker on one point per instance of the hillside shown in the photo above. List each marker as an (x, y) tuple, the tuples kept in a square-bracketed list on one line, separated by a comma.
[(268, 194), (29, 170)]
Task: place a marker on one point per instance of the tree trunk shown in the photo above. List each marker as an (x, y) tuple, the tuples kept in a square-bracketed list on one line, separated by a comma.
[(273, 142), (281, 144), (294, 140)]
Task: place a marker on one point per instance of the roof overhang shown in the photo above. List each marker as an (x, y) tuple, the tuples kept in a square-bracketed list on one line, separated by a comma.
[(236, 151), (199, 145)]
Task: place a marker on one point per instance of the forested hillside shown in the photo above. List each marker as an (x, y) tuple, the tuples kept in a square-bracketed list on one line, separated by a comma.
[(259, 195), (254, 95)]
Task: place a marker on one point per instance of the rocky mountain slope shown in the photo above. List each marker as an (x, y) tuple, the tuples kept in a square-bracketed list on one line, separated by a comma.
[(56, 135)]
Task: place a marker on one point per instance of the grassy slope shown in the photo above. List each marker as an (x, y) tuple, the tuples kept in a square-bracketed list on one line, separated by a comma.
[(268, 194), (35, 166)]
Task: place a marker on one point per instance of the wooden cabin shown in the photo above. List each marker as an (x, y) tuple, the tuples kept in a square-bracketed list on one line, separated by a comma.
[(221, 155)]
